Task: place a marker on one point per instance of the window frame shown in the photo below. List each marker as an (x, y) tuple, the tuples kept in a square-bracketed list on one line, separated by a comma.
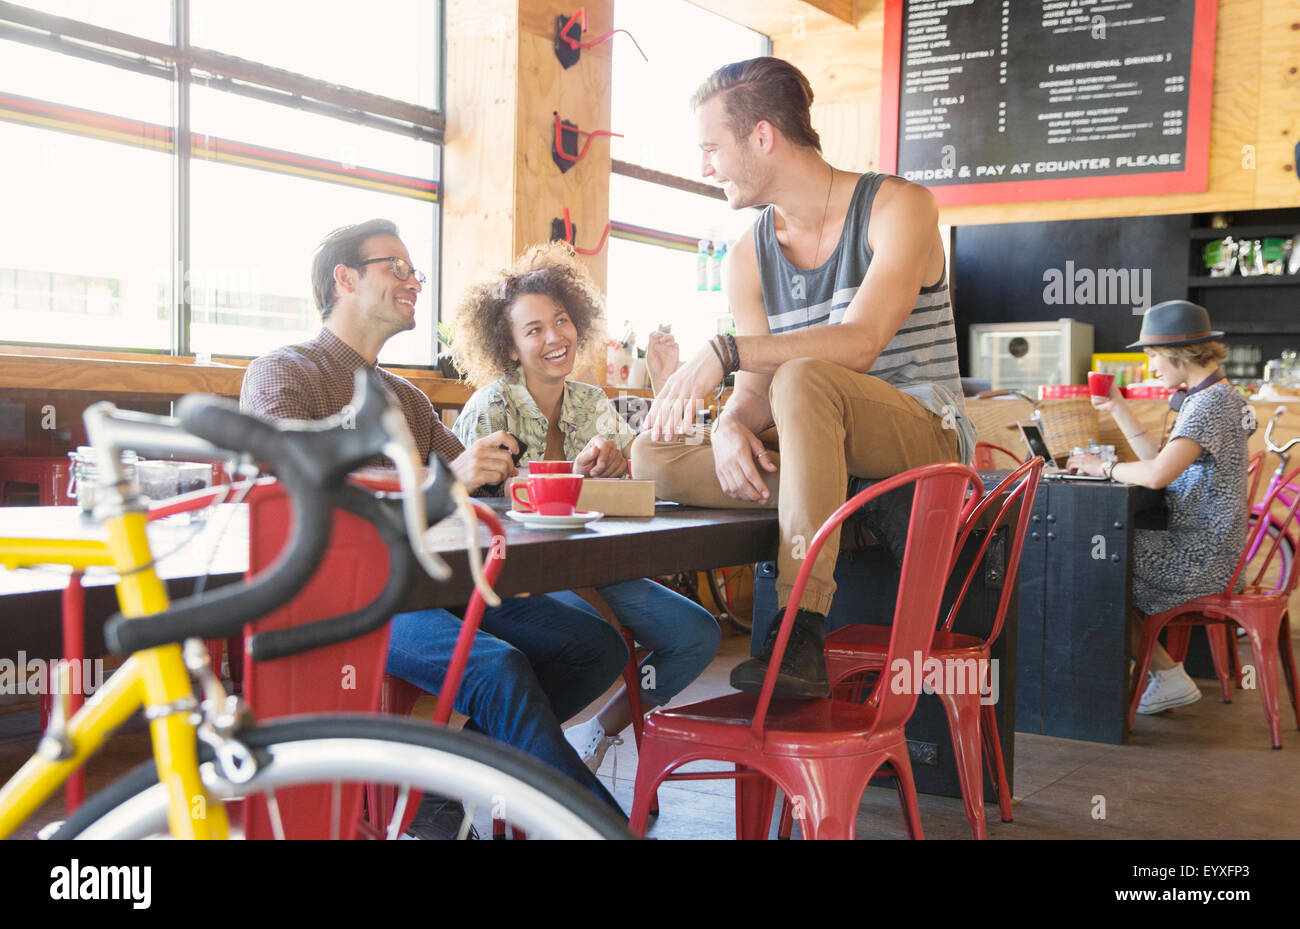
[(181, 64), (662, 238)]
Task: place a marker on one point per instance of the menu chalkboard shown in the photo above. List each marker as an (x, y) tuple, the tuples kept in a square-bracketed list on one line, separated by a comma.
[(1001, 100)]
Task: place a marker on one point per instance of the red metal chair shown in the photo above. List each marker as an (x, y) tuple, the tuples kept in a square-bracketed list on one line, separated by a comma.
[(1220, 633), (1261, 609), (855, 650), (345, 677), (985, 459), (820, 752)]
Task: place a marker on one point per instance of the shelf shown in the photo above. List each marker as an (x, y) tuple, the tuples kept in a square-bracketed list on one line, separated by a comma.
[(1235, 280), (1253, 327), (1246, 232)]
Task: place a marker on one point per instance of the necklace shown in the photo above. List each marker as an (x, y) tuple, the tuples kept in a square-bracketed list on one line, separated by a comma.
[(825, 212)]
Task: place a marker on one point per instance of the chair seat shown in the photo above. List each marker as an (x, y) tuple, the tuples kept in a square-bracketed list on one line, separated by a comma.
[(796, 727), (1214, 606), (851, 642)]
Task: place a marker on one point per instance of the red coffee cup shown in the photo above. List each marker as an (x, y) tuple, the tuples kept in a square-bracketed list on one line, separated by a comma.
[(549, 494), (1099, 384), (550, 467)]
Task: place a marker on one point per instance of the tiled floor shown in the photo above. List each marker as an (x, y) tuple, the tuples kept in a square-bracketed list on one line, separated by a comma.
[(1204, 771)]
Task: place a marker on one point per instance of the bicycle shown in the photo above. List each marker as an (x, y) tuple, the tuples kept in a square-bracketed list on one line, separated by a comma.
[(1285, 496), (208, 752)]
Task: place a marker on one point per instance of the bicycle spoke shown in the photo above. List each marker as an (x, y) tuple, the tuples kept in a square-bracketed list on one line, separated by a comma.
[(466, 823), (273, 809), (336, 808), (399, 810)]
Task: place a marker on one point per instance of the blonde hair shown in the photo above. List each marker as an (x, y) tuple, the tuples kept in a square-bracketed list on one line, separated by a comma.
[(484, 338), (1199, 355)]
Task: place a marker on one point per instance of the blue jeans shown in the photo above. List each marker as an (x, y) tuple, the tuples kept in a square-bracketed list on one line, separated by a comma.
[(535, 662), (682, 635)]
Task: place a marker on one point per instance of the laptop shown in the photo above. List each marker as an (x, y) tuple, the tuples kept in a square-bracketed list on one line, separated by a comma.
[(1033, 437)]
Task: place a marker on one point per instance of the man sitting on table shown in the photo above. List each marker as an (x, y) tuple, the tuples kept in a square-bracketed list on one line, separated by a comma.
[(536, 661), (844, 345)]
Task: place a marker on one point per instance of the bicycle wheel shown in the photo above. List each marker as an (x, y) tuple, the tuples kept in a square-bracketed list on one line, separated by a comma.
[(338, 750), (1275, 575), (723, 585)]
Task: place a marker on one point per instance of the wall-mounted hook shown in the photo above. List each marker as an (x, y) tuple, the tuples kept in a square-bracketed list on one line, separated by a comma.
[(564, 230), (568, 46), (564, 149)]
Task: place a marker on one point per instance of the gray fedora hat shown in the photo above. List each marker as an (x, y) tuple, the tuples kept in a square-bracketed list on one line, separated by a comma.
[(1175, 322)]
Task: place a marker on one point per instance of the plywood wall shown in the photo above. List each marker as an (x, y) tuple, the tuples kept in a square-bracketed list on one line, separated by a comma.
[(500, 186), (1254, 128)]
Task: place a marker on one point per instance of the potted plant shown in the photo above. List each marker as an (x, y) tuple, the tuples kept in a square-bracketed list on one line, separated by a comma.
[(446, 367)]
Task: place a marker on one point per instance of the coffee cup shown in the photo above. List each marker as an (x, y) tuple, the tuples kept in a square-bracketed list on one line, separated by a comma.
[(548, 494), (1099, 383), (550, 467)]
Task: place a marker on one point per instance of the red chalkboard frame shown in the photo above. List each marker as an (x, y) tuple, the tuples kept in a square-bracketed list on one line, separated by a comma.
[(1192, 179)]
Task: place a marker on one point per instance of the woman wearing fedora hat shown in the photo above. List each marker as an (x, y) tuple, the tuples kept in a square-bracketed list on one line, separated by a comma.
[(1202, 467)]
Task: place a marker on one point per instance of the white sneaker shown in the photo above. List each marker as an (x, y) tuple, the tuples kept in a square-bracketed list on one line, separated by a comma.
[(590, 742), (1168, 689)]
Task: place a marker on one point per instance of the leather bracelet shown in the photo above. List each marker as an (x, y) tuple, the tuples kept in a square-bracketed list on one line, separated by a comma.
[(714, 345), (1108, 470), (735, 352), (1134, 435)]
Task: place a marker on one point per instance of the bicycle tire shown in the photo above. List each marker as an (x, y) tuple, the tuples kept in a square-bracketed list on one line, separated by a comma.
[(340, 748)]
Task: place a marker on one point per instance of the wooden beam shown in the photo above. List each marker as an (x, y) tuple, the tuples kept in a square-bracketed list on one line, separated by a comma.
[(502, 188), (780, 17)]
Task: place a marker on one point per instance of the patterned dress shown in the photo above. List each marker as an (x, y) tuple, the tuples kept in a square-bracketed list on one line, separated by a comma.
[(1208, 522)]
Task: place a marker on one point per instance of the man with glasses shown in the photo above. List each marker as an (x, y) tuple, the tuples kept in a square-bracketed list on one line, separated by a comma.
[(536, 661)]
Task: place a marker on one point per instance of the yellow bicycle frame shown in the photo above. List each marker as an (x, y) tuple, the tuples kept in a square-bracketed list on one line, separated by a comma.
[(155, 679)]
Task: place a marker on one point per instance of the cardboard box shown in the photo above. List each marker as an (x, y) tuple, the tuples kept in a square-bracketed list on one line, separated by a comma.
[(611, 496)]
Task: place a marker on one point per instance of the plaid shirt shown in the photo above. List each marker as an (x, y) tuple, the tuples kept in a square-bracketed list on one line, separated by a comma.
[(314, 381)]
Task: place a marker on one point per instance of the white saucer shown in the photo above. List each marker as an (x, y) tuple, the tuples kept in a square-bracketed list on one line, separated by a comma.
[(579, 519)]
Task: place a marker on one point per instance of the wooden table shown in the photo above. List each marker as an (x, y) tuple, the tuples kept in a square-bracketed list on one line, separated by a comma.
[(675, 539)]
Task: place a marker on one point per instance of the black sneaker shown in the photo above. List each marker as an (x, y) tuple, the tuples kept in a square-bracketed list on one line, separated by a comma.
[(438, 819), (803, 668)]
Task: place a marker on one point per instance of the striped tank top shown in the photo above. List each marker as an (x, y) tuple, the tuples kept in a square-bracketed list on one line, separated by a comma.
[(921, 358)]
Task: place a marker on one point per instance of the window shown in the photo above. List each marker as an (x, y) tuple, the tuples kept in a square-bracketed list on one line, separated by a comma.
[(118, 237), (660, 209)]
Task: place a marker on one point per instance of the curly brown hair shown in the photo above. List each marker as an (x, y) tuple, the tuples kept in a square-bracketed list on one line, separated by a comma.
[(483, 335)]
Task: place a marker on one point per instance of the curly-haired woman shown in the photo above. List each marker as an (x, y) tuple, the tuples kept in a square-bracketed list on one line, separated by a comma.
[(518, 336)]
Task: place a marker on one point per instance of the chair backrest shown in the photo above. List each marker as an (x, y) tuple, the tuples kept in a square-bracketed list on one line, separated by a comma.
[(937, 509), (344, 677), (1272, 526), (1021, 485), (985, 458)]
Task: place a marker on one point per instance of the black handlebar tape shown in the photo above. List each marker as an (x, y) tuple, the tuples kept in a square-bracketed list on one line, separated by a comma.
[(323, 451), (280, 643), (221, 613), (311, 460), (386, 517)]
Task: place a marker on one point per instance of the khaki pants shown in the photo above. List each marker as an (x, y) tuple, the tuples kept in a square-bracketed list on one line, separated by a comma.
[(832, 423)]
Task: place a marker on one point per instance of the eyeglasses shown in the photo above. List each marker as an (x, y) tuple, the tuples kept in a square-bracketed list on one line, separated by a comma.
[(401, 270)]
